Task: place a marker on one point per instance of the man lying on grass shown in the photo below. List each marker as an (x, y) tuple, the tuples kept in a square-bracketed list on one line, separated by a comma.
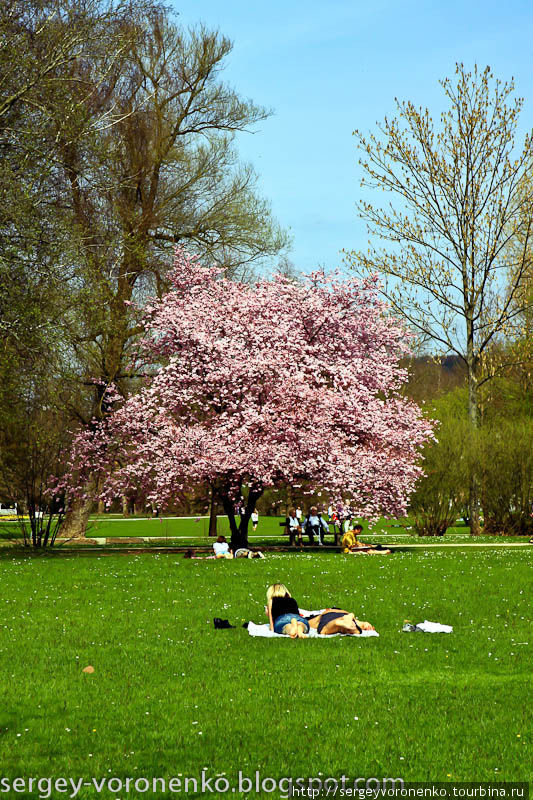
[(284, 617)]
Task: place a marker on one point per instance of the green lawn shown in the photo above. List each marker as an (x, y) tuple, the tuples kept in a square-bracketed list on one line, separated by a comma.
[(172, 695), (190, 531), (195, 530)]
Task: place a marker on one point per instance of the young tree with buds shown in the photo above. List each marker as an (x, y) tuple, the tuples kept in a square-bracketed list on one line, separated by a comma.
[(458, 224)]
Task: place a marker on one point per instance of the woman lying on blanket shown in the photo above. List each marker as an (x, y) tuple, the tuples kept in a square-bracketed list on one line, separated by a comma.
[(335, 620), (284, 614)]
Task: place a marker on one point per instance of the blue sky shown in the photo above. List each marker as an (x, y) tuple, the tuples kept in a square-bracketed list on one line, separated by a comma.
[(326, 68)]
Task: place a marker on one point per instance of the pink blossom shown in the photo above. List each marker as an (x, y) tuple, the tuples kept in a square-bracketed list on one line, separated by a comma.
[(277, 382)]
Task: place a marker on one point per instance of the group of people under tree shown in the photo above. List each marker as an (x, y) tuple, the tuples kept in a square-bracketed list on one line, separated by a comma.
[(314, 525)]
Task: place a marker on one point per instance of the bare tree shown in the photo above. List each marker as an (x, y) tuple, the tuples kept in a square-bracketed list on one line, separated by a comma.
[(162, 170), (457, 209), (165, 172), (44, 94), (40, 41), (117, 139)]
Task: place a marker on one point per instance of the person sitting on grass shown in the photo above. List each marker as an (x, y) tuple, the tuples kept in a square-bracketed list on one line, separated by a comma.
[(335, 620), (351, 544), (284, 614), (221, 548)]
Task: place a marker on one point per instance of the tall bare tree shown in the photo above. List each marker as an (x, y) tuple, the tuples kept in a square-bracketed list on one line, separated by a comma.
[(119, 139), (457, 208), (164, 172), (40, 41), (161, 170)]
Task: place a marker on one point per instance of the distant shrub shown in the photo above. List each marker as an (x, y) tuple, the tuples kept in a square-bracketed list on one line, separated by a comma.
[(506, 461), (442, 493)]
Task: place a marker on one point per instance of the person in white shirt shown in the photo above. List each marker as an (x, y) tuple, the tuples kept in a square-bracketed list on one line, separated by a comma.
[(255, 518), (221, 548), (347, 524), (294, 527), (314, 524)]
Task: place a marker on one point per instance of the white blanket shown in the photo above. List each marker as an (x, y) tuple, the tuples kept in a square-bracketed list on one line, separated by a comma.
[(434, 627), (264, 630)]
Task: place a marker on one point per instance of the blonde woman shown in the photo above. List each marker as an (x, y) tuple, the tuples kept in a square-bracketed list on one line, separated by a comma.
[(284, 614)]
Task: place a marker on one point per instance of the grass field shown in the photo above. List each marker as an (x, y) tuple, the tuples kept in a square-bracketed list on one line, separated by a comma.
[(170, 695), (195, 530)]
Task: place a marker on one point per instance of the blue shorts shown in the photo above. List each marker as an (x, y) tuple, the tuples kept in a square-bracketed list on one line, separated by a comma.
[(285, 619)]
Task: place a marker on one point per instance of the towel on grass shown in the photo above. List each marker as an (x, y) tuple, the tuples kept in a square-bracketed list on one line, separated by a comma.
[(264, 630), (433, 627)]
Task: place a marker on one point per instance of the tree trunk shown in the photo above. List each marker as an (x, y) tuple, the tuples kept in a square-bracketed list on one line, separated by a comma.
[(253, 497), (213, 514), (229, 508), (239, 535), (76, 520), (473, 414)]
